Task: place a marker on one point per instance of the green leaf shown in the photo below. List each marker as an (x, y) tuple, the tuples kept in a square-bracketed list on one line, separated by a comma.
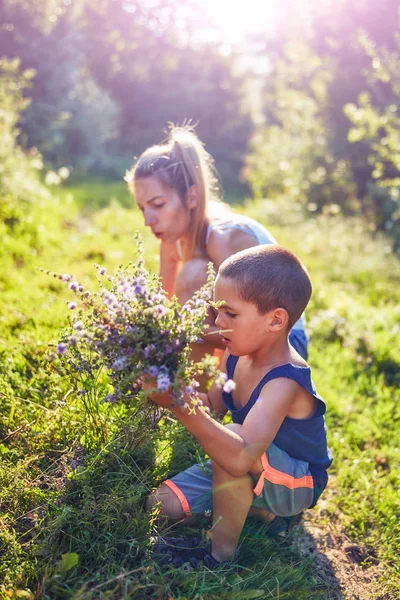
[(68, 561)]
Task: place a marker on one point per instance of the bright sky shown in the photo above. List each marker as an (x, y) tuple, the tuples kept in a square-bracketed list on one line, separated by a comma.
[(237, 18)]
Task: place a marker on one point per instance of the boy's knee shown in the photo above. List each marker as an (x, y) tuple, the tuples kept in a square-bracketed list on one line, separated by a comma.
[(235, 427), (257, 468), (166, 502)]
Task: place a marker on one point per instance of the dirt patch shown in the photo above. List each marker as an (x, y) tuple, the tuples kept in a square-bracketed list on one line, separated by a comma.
[(348, 570)]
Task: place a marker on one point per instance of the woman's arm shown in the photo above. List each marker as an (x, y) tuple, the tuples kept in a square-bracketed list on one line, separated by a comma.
[(223, 244), (169, 267)]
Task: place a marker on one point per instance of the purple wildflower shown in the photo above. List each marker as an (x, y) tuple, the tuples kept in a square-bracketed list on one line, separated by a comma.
[(138, 289), (72, 305), (119, 363), (74, 285), (153, 371), (200, 303), (163, 383), (221, 379), (78, 325), (66, 277), (110, 299), (102, 271), (229, 386), (157, 298), (148, 350), (160, 310), (62, 348), (110, 398)]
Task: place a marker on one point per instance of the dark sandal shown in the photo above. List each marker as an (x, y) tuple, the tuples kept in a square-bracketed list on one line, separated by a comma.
[(282, 526), (168, 545)]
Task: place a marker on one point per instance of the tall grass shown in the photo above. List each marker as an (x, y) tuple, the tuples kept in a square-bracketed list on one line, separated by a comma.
[(72, 522)]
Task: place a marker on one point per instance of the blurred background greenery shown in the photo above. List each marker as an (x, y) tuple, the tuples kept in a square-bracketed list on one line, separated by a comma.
[(306, 104)]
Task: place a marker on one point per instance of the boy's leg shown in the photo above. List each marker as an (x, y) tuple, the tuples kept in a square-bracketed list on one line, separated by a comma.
[(186, 495), (232, 498), (164, 499)]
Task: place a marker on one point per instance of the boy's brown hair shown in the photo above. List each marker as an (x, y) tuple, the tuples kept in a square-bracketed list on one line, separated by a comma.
[(270, 277)]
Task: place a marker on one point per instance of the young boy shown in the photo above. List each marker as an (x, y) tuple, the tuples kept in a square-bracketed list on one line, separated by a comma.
[(272, 460)]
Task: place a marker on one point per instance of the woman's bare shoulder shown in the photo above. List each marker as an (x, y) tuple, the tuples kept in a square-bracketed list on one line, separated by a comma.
[(222, 243)]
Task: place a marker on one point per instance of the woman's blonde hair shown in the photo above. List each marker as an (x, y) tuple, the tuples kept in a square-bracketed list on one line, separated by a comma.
[(180, 163)]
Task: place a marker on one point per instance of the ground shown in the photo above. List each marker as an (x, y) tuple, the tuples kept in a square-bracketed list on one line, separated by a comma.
[(346, 569)]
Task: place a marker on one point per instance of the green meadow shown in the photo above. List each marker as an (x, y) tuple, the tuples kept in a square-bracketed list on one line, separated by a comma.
[(72, 487)]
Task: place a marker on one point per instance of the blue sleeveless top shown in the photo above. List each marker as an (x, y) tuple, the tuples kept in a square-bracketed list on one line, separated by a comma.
[(304, 439)]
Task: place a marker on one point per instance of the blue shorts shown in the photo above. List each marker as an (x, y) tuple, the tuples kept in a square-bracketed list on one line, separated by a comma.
[(284, 488)]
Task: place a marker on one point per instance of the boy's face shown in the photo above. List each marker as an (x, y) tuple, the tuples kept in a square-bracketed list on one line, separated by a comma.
[(249, 328)]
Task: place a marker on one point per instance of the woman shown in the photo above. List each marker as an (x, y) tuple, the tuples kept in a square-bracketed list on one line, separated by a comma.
[(176, 188)]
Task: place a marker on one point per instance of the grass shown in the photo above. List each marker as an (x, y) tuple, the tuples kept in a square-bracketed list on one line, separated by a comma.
[(72, 523)]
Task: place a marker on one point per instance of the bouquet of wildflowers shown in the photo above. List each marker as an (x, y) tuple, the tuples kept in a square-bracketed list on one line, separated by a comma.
[(133, 331)]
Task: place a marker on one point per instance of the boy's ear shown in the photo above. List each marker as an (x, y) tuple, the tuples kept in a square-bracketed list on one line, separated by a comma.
[(193, 197), (279, 319)]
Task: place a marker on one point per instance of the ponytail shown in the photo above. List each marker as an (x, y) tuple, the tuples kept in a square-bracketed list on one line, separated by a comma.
[(180, 163)]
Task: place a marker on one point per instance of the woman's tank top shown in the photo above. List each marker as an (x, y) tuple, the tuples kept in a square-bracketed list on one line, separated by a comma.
[(241, 223)]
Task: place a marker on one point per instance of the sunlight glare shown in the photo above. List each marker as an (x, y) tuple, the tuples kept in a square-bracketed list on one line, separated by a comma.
[(236, 20)]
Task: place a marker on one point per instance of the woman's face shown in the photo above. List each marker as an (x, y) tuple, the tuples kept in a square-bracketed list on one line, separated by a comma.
[(162, 208)]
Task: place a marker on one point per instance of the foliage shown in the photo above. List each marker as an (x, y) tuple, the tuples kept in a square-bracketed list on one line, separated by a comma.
[(378, 128), (317, 143), (292, 153), (73, 523), (110, 75), (18, 173)]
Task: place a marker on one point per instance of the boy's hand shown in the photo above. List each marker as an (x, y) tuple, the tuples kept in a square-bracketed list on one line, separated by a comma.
[(161, 398)]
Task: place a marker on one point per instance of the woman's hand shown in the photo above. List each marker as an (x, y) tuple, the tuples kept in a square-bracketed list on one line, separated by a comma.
[(163, 399)]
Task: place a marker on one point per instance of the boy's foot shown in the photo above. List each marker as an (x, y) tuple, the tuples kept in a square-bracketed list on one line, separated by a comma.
[(168, 545), (177, 552), (282, 526)]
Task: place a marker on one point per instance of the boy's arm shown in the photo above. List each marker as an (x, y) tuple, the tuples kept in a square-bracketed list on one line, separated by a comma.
[(237, 453)]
